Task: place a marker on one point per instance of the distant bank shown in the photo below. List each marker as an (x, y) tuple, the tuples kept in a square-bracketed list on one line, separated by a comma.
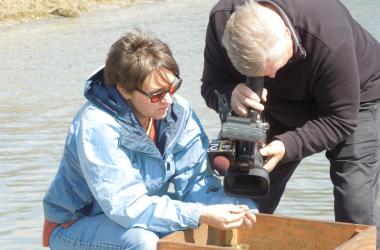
[(24, 10)]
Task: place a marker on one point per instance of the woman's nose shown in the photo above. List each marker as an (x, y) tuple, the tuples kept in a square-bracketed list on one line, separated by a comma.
[(167, 98)]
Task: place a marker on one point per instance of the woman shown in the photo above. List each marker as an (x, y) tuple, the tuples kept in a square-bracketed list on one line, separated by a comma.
[(127, 144)]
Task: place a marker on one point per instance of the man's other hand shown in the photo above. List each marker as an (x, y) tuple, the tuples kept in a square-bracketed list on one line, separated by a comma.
[(243, 98)]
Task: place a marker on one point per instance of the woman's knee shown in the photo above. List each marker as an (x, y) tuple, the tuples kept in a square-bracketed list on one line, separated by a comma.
[(139, 238)]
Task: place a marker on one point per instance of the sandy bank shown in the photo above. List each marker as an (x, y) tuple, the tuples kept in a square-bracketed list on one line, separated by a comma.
[(11, 10)]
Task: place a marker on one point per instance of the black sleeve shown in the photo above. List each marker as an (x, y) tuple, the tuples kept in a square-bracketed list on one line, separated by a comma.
[(218, 72), (337, 95)]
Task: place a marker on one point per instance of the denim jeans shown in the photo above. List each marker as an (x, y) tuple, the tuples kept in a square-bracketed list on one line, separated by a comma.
[(99, 232)]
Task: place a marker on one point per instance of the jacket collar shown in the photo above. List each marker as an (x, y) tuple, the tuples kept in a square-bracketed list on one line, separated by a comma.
[(299, 50)]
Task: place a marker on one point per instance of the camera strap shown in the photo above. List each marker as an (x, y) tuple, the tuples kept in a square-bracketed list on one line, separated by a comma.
[(223, 107)]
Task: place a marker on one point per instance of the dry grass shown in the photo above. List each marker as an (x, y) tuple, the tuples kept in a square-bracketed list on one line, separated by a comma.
[(30, 9)]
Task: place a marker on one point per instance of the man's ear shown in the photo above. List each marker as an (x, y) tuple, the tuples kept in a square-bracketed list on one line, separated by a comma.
[(123, 92), (287, 32)]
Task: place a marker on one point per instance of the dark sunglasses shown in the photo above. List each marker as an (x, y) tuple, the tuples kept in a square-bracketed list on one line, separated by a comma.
[(158, 96)]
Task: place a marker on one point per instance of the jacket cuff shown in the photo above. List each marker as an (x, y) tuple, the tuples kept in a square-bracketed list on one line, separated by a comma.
[(292, 147), (194, 215)]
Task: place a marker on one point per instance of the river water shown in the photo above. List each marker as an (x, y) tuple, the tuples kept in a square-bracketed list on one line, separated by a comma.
[(44, 64)]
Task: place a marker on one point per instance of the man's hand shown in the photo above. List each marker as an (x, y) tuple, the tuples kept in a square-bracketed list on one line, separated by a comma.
[(274, 152), (243, 97), (227, 216)]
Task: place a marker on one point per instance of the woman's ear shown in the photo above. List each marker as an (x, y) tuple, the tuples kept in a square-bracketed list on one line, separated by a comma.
[(123, 92)]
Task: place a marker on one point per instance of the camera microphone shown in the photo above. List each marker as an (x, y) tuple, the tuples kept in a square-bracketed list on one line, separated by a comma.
[(221, 164), (221, 154)]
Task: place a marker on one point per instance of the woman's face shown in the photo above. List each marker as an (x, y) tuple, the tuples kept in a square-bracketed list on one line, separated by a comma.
[(140, 100)]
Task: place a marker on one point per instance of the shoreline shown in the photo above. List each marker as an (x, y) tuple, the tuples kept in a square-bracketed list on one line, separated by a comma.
[(28, 10)]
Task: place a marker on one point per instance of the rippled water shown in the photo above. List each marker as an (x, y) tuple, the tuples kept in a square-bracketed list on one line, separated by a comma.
[(43, 67)]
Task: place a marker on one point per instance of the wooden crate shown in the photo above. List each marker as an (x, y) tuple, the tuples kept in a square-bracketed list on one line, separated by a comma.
[(273, 232)]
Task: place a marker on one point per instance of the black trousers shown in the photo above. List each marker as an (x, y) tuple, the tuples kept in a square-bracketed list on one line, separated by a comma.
[(354, 172)]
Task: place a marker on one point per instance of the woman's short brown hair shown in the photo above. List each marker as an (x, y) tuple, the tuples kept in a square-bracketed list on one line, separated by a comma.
[(133, 57)]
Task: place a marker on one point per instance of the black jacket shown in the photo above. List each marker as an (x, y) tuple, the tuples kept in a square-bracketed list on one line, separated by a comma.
[(313, 102)]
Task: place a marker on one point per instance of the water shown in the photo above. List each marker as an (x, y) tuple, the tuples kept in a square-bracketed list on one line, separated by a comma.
[(43, 66)]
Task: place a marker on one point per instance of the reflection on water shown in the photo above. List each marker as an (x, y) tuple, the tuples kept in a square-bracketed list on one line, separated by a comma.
[(42, 71)]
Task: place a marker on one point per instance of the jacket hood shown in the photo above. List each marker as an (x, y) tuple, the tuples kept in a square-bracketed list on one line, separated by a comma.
[(108, 98)]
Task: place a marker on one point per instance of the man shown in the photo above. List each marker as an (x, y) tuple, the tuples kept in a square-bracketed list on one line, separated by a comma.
[(322, 81)]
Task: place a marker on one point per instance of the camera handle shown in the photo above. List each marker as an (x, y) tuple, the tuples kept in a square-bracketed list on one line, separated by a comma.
[(257, 86)]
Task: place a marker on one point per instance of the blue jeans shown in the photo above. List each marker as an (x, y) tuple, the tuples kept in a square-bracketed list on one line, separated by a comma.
[(99, 232)]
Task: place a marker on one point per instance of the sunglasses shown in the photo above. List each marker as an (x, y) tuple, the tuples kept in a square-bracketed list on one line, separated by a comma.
[(158, 96)]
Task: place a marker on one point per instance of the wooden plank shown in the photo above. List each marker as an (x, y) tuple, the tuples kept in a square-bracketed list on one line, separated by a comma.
[(273, 232)]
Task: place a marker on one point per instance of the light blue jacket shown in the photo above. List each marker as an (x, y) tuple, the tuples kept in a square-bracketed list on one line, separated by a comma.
[(110, 166)]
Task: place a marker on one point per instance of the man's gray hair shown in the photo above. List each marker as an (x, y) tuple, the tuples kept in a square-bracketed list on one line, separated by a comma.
[(251, 40)]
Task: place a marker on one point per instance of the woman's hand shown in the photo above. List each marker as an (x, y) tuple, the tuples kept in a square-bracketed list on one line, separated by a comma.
[(243, 97), (274, 152), (227, 216)]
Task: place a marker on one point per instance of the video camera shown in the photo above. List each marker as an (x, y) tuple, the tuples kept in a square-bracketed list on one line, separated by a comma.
[(235, 154)]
